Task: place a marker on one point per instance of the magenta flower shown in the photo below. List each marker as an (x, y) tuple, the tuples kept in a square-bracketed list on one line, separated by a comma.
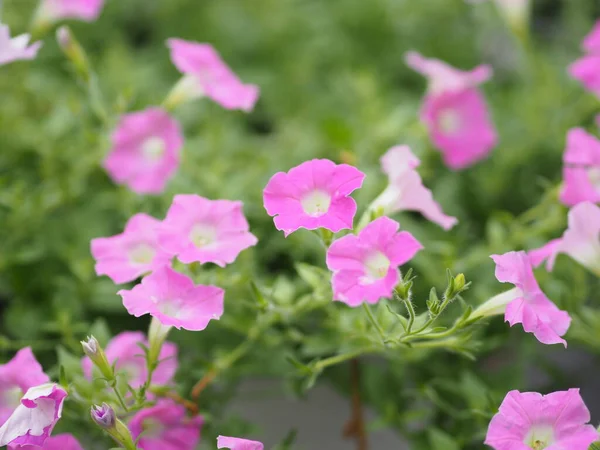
[(406, 191), (582, 168), (131, 254), (581, 240), (315, 194), (233, 443), (528, 420), (206, 74), (17, 48), (64, 441), (165, 427), (16, 377), (455, 112), (526, 303), (145, 152), (586, 69), (33, 420), (174, 300), (86, 10), (126, 354), (200, 230), (365, 267)]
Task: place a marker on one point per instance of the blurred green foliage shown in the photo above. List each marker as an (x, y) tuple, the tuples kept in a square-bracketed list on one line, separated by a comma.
[(333, 84)]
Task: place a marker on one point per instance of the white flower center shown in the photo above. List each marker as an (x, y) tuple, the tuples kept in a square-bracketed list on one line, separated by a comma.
[(141, 254), (540, 437), (377, 266), (11, 397), (153, 148), (449, 121), (202, 235), (316, 203), (171, 308), (20, 42)]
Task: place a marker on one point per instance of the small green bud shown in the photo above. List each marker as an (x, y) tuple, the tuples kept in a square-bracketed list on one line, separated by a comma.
[(93, 350), (433, 303), (459, 282)]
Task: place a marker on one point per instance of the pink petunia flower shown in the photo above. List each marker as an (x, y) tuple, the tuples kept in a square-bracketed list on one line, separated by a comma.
[(586, 69), (64, 441), (174, 300), (86, 10), (455, 112), (131, 254), (205, 74), (16, 377), (200, 230), (582, 168), (528, 420), (165, 427), (365, 267), (125, 352), (526, 303), (145, 154), (233, 443), (33, 420), (315, 194), (581, 240), (17, 48), (406, 191)]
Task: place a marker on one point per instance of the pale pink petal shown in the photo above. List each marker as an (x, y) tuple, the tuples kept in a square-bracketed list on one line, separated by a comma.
[(547, 253), (17, 48), (582, 148), (577, 187), (233, 443), (86, 10), (587, 71), (398, 160), (59, 442), (591, 43), (581, 241)]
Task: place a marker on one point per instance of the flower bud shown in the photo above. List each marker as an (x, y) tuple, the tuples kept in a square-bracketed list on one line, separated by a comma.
[(459, 282), (104, 416), (90, 346), (93, 350), (74, 52)]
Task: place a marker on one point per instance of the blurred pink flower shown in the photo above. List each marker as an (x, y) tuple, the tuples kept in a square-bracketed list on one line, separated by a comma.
[(174, 300), (131, 254), (406, 191), (365, 267), (455, 112), (64, 441), (128, 358), (165, 426), (207, 75), (582, 168), (86, 10), (33, 420), (145, 152), (315, 194), (200, 230), (16, 377), (527, 304), (17, 48), (587, 68), (233, 443), (528, 420)]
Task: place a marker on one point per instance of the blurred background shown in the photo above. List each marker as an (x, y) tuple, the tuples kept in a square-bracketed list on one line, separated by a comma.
[(333, 85)]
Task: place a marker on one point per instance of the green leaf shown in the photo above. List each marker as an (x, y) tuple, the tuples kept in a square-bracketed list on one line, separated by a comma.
[(313, 275), (438, 440)]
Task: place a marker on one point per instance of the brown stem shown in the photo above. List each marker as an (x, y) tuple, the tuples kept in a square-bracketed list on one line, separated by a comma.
[(355, 427), (189, 405), (203, 383)]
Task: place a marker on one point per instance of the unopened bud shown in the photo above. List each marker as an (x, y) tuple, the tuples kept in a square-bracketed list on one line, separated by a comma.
[(104, 416), (73, 51), (93, 350), (63, 37), (459, 282), (90, 346)]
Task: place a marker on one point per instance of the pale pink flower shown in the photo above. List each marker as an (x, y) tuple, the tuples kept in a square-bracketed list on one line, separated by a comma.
[(528, 420), (165, 427), (591, 43), (17, 48), (16, 377), (233, 443), (131, 254), (145, 153), (59, 442), (406, 191), (455, 112), (365, 267), (581, 240), (200, 230), (527, 304), (33, 420), (174, 300), (207, 75), (582, 168), (586, 69), (315, 194), (86, 10), (125, 353)]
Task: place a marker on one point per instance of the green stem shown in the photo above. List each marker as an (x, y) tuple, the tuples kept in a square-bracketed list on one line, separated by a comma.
[(333, 360), (119, 396), (411, 315), (374, 322)]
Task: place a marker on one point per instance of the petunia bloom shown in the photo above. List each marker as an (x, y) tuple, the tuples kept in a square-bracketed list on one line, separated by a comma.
[(165, 427), (200, 230), (365, 267), (131, 254), (406, 191), (582, 168), (145, 152), (64, 441), (17, 48), (233, 443), (315, 194), (125, 353), (16, 377), (586, 69), (33, 420), (528, 420), (526, 303), (455, 112), (174, 300), (205, 74), (54, 10), (581, 240)]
